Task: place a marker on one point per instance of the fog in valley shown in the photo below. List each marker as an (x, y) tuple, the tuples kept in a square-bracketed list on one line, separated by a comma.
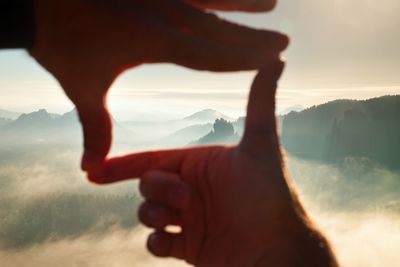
[(50, 215)]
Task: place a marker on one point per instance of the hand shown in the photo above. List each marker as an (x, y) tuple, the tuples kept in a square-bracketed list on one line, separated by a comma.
[(235, 205), (85, 44)]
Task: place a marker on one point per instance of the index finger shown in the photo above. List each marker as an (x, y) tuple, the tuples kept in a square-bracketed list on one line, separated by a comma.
[(135, 165), (214, 28)]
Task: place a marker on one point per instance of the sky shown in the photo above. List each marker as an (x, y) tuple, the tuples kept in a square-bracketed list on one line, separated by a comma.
[(339, 49)]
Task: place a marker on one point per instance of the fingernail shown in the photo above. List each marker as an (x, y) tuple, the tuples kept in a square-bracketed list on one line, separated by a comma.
[(179, 198)]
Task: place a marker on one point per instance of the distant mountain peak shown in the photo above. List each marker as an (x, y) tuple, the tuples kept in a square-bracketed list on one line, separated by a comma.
[(41, 114), (42, 111), (207, 115), (223, 132)]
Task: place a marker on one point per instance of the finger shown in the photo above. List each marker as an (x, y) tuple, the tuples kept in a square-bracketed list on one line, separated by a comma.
[(210, 27), (163, 244), (235, 5), (157, 216), (97, 132), (260, 129), (165, 188), (200, 54), (135, 165)]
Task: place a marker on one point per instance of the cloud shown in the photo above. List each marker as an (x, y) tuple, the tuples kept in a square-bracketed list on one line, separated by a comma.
[(118, 249), (360, 240), (354, 203), (352, 184), (36, 171), (363, 240)]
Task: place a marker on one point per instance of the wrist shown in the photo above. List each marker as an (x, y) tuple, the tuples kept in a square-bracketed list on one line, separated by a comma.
[(298, 244)]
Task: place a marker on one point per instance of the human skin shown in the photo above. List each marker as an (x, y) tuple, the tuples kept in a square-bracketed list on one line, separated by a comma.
[(86, 44), (236, 205)]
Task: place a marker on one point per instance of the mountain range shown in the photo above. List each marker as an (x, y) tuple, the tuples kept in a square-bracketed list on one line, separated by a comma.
[(332, 132), (44, 127), (328, 132), (170, 130)]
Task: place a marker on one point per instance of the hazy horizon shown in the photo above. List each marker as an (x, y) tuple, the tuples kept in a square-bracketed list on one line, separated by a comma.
[(344, 55), (171, 114)]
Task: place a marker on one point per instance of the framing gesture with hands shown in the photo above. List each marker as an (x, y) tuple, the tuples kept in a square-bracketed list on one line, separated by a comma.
[(86, 44), (235, 205)]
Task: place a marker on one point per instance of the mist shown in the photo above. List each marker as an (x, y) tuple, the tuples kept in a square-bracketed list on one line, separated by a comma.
[(359, 213), (356, 203), (50, 215), (358, 240), (118, 248), (353, 184)]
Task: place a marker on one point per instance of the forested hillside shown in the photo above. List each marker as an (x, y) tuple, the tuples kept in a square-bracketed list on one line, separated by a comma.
[(346, 128)]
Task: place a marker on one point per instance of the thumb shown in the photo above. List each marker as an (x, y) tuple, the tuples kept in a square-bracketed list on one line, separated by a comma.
[(97, 131), (260, 130)]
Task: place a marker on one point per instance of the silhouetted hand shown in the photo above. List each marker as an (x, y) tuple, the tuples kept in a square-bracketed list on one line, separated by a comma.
[(85, 44), (235, 205)]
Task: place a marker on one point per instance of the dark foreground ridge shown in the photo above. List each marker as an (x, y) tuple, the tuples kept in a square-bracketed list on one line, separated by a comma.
[(346, 128)]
